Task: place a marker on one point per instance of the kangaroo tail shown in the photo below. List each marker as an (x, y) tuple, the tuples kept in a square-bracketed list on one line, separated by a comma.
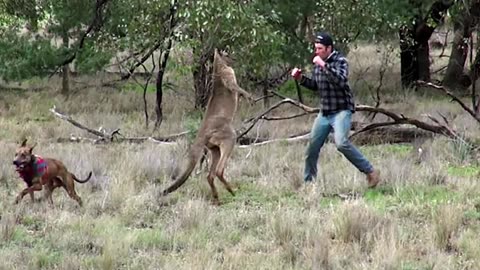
[(80, 180), (194, 154)]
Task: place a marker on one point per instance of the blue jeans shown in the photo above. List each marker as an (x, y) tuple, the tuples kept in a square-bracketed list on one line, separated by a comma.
[(340, 123)]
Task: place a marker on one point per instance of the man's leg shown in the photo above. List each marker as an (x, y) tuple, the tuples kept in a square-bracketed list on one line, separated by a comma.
[(341, 123), (319, 133)]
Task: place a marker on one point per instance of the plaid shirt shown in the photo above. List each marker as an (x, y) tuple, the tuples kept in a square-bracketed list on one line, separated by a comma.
[(332, 84)]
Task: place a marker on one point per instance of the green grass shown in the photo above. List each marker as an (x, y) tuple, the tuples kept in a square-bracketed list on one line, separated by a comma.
[(464, 171), (135, 87), (387, 199), (152, 238), (45, 258), (253, 195)]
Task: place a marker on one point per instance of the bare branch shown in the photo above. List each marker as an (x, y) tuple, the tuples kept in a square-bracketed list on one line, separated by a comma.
[(373, 126), (266, 118), (254, 120), (94, 25), (397, 119), (450, 94), (75, 123), (140, 62), (106, 137), (294, 139)]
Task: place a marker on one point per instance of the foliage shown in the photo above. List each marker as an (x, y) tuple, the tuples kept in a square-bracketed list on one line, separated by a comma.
[(21, 58), (131, 31), (32, 32), (231, 26), (263, 36)]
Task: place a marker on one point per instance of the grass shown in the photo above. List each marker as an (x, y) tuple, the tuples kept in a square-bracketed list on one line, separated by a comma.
[(425, 216), (464, 171)]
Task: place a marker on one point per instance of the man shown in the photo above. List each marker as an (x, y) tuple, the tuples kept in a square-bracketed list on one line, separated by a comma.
[(330, 80)]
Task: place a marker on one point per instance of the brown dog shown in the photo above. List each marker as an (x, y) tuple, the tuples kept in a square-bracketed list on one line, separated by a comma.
[(38, 172), (216, 131)]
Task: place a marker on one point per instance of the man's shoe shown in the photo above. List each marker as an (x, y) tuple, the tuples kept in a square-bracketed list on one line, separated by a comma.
[(373, 179)]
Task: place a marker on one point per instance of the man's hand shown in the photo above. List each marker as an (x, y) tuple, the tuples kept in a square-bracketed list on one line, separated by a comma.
[(296, 73), (317, 60)]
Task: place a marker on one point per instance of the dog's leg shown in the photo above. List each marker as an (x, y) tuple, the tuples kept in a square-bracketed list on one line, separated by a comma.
[(50, 187), (21, 195), (211, 174), (226, 148), (48, 192), (69, 186), (57, 182), (31, 195), (28, 190)]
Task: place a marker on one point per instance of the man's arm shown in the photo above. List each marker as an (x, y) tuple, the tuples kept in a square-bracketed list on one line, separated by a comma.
[(308, 83), (338, 72), (303, 80)]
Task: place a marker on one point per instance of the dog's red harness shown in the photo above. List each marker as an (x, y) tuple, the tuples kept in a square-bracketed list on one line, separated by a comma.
[(38, 169)]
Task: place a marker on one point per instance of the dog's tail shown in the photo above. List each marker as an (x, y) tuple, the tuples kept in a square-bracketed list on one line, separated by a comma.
[(194, 154), (80, 180)]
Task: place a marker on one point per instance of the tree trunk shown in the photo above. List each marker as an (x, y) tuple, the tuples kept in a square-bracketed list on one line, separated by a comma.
[(65, 70), (159, 91), (455, 77), (458, 57), (162, 60), (474, 74), (266, 100), (408, 60), (65, 80), (202, 77), (414, 55), (414, 49)]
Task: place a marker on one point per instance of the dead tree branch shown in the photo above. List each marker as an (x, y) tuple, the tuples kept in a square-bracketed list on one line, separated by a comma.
[(115, 135), (140, 62), (253, 121), (401, 119), (454, 98), (294, 139), (398, 119), (77, 124)]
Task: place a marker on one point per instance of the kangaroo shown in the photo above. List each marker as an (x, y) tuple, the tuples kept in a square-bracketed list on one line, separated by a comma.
[(216, 131)]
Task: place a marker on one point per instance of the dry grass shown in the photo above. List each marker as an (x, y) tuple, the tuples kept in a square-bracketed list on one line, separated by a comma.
[(425, 216)]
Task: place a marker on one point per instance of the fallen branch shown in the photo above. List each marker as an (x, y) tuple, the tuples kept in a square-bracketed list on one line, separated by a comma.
[(20, 89), (243, 131), (401, 119), (398, 119), (377, 129), (75, 123), (114, 135), (294, 139), (454, 98), (284, 117)]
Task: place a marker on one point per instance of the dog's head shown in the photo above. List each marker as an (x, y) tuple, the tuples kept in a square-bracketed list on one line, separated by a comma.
[(23, 156)]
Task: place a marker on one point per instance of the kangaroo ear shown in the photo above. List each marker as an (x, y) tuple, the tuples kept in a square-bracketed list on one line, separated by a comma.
[(33, 146), (24, 143)]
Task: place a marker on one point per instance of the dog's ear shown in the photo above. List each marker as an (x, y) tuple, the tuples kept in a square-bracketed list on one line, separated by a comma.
[(33, 146), (24, 143)]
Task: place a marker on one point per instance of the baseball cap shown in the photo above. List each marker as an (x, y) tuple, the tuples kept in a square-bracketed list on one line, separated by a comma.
[(324, 38)]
